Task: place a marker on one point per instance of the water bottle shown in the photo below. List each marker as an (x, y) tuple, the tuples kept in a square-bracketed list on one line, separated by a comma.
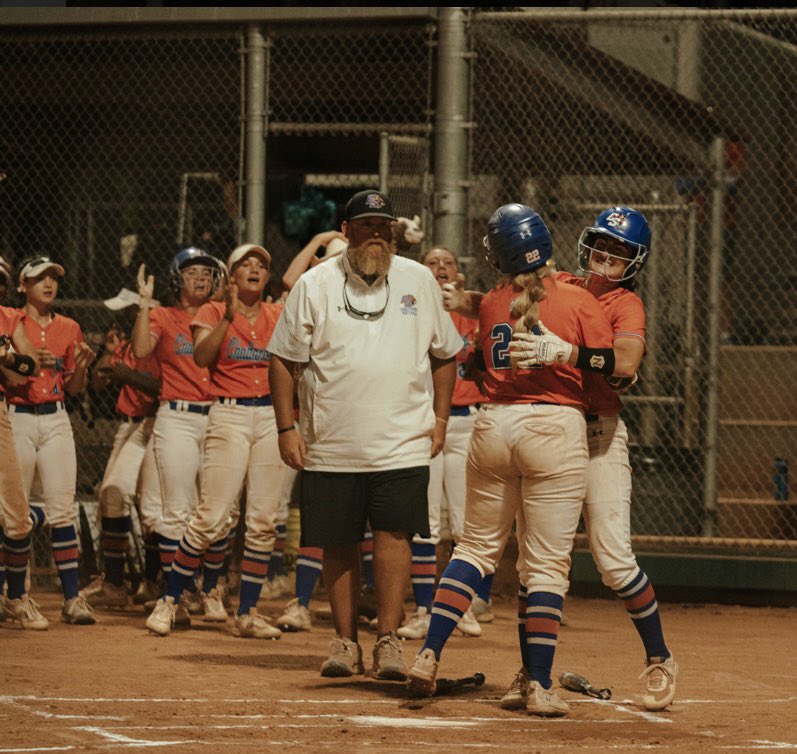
[(781, 479)]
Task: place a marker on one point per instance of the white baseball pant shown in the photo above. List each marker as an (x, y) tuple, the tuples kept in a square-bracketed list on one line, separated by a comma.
[(45, 443), (241, 444), (607, 506), (529, 459), (120, 481), (14, 518), (447, 479), (179, 441)]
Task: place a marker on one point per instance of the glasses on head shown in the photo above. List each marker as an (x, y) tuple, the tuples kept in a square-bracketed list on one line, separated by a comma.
[(357, 313)]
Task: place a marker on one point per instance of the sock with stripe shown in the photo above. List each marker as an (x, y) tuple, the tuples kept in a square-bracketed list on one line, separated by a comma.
[(454, 594), (522, 604), (254, 570), (276, 565), (152, 561), (167, 549), (212, 564), (225, 566), (65, 554), (423, 572), (543, 616), (640, 603), (37, 517), (183, 567), (308, 568), (486, 587), (17, 555), (367, 556), (115, 536)]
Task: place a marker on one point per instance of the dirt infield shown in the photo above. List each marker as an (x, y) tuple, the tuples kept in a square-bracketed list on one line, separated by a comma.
[(113, 686)]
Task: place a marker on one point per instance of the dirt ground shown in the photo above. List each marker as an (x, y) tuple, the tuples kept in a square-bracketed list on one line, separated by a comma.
[(113, 686)]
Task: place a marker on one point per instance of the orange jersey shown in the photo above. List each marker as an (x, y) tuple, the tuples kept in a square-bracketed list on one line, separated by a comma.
[(573, 314), (241, 368), (59, 336), (181, 378), (626, 314), (132, 402), (9, 319), (466, 392)]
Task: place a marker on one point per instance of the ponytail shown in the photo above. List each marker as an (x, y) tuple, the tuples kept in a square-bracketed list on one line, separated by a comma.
[(526, 305)]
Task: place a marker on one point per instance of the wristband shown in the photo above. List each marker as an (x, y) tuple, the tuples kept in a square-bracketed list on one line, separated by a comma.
[(596, 360), (286, 429), (443, 421), (21, 364)]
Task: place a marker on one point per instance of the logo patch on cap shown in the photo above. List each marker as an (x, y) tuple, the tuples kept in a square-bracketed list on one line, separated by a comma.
[(374, 201)]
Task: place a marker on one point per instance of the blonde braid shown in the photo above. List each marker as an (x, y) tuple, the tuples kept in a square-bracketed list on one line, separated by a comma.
[(525, 306)]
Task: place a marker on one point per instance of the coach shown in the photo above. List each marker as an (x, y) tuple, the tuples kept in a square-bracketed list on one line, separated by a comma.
[(360, 334)]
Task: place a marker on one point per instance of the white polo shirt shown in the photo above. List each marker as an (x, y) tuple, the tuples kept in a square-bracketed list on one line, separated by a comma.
[(363, 397)]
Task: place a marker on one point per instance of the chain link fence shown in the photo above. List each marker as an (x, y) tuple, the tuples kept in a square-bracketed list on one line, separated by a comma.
[(573, 116), (122, 146)]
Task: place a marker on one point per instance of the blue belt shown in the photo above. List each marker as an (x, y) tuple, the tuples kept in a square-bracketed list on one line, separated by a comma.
[(194, 408), (462, 410), (264, 401), (40, 409)]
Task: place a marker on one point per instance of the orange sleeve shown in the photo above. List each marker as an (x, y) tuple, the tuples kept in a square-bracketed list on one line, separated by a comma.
[(629, 318), (596, 332), (207, 317)]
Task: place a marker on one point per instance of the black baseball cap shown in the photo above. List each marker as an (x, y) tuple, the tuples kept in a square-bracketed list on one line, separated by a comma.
[(369, 203)]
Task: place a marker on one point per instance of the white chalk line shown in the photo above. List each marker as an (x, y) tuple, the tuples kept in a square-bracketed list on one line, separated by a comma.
[(10, 701), (118, 738), (38, 748)]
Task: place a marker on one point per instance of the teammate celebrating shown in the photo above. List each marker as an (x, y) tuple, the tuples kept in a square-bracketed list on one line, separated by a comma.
[(42, 430), (231, 339), (447, 473), (612, 252), (527, 456), (185, 398), (16, 524)]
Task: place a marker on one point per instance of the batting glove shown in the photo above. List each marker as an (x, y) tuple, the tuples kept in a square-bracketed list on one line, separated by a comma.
[(529, 350)]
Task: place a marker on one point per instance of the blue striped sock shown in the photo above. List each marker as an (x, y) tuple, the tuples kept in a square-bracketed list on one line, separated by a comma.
[(486, 587), (640, 603), (65, 554), (254, 569), (37, 517), (168, 549), (152, 561), (17, 555), (522, 604), (308, 568), (423, 571), (184, 566), (212, 564), (543, 616), (453, 597), (115, 539), (276, 565)]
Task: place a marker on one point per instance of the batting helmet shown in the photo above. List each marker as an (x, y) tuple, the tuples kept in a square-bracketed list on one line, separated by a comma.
[(517, 240), (190, 256), (621, 224)]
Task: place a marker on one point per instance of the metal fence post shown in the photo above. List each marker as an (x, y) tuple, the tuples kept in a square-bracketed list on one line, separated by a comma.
[(451, 139), (714, 293), (255, 134)]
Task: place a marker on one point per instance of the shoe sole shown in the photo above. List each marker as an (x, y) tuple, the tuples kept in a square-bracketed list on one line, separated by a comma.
[(333, 670), (513, 703), (79, 621), (214, 619), (485, 618), (419, 687), (288, 628), (546, 712), (390, 674)]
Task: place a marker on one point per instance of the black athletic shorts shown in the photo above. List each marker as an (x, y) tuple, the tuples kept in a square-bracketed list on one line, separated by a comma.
[(336, 506)]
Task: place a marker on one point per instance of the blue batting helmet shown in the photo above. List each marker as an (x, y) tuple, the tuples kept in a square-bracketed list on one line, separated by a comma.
[(622, 224), (190, 256), (517, 239)]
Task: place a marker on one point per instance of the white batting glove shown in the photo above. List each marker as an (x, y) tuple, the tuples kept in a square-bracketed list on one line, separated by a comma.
[(454, 294), (529, 350)]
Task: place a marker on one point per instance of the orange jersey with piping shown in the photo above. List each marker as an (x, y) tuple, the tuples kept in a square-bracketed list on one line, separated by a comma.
[(626, 314), (466, 392), (181, 378), (59, 336), (570, 312), (241, 368), (132, 402)]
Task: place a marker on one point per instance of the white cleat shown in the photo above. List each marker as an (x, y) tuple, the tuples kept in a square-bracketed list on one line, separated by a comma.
[(295, 618), (421, 680), (213, 607), (417, 626), (660, 680), (483, 610), (252, 625), (544, 702), (26, 611), (161, 619), (468, 625), (77, 612)]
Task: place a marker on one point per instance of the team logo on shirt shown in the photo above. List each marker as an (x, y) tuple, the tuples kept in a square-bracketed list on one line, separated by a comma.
[(183, 346), (408, 304), (236, 351)]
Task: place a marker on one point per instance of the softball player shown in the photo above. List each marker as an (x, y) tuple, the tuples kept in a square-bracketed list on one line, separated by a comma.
[(42, 431), (185, 399), (612, 252), (130, 469), (16, 522), (231, 339), (447, 473), (527, 455)]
